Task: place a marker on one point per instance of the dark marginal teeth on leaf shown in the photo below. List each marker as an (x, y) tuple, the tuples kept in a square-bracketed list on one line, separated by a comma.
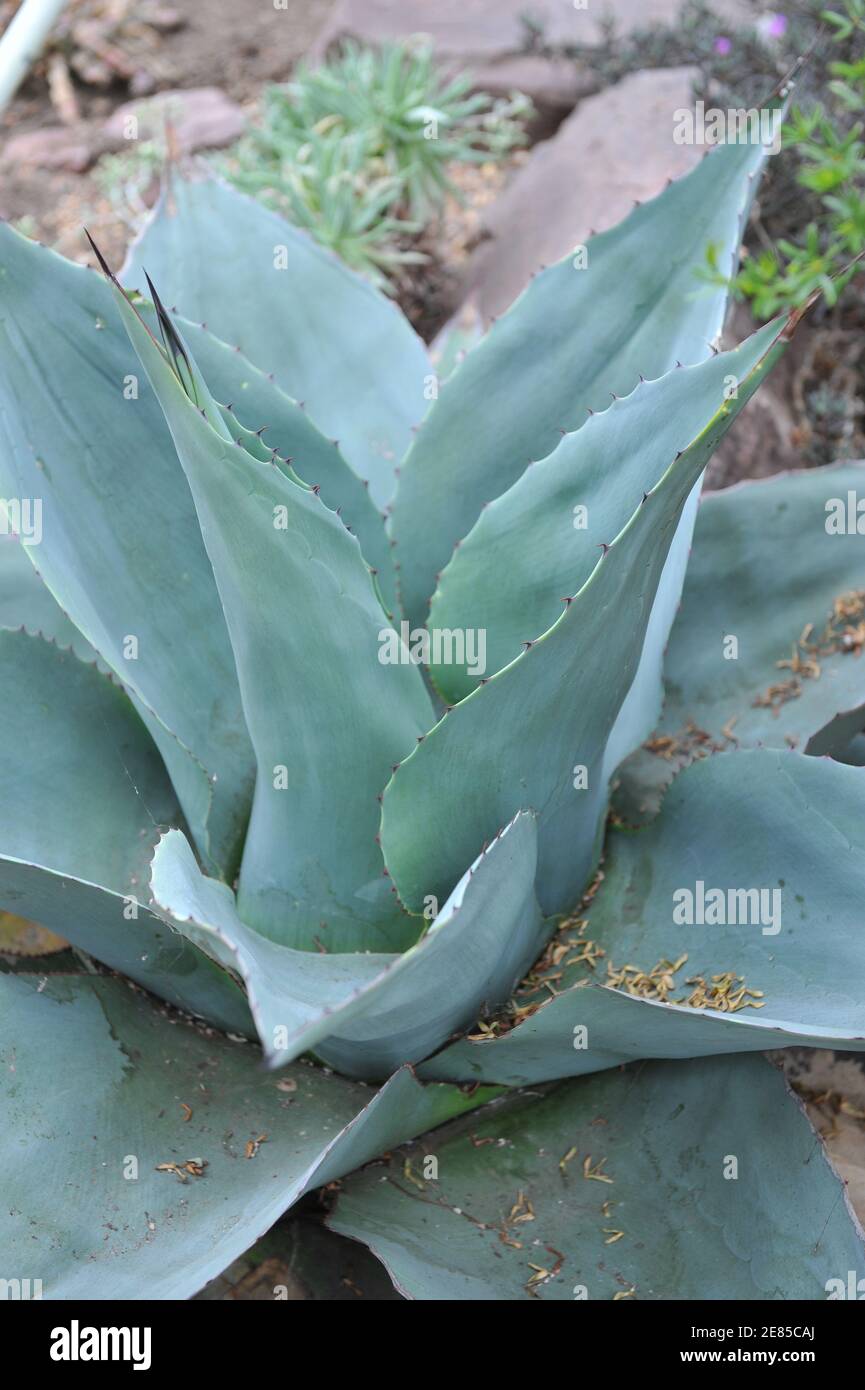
[(603, 546)]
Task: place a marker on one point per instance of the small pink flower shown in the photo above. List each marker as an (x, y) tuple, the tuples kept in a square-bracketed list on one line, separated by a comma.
[(772, 26), (723, 45)]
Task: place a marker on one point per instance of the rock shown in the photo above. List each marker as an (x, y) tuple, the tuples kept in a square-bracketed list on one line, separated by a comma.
[(616, 148), (164, 18), (142, 83), (555, 85), (202, 118), (480, 31), (54, 147), (489, 38)]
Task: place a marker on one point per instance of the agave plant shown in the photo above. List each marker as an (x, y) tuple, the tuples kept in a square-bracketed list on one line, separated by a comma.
[(321, 801)]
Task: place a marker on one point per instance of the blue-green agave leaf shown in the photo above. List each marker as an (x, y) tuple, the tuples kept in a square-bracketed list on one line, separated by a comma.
[(296, 997), (214, 371), (85, 796), (262, 406), (460, 334), (674, 1180), (327, 717), (773, 655), (26, 603), (553, 709), (109, 1090), (541, 539), (584, 328), (479, 946), (374, 1011), (120, 548), (777, 841), (331, 340)]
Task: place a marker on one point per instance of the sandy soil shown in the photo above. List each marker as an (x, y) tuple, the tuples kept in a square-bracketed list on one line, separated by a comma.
[(238, 46)]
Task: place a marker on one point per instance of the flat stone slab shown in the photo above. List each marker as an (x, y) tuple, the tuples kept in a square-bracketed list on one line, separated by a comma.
[(555, 85), (488, 37), (484, 30), (202, 118), (616, 149), (53, 147)]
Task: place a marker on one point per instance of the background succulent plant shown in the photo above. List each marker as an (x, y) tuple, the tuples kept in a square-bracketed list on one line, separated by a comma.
[(361, 150), (260, 829)]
